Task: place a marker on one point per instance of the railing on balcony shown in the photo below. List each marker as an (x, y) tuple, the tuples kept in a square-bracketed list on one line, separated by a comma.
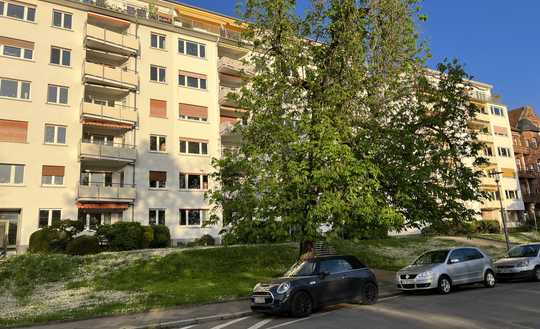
[(487, 180), (227, 64), (151, 12), (116, 112), (106, 191), (125, 41), (484, 98), (112, 151), (224, 95), (528, 173), (116, 76), (483, 137)]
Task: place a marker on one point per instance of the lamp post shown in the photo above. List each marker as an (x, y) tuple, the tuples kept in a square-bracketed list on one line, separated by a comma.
[(496, 175)]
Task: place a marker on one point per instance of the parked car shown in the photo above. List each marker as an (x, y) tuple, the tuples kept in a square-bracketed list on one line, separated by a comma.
[(446, 268), (522, 262), (313, 283)]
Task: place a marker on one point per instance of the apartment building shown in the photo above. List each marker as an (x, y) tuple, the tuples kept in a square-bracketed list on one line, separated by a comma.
[(492, 124), (525, 126), (112, 111)]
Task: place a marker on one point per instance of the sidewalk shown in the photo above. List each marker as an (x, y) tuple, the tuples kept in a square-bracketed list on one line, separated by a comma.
[(184, 316)]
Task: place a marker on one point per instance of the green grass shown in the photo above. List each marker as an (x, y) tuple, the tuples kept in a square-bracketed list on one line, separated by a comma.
[(517, 237)]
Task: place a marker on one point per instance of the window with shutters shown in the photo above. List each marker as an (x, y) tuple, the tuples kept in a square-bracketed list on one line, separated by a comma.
[(52, 175), (14, 88), (157, 179), (191, 80), (48, 217), (13, 131), (11, 174), (158, 108), (192, 112), (16, 48)]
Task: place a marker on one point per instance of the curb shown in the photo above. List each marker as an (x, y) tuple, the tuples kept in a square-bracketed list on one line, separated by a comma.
[(188, 322)]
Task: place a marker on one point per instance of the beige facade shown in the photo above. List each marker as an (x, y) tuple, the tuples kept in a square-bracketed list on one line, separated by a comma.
[(110, 111)]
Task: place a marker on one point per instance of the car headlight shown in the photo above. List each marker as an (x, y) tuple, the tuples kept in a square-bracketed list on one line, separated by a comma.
[(425, 275), (524, 263), (257, 286), (283, 288)]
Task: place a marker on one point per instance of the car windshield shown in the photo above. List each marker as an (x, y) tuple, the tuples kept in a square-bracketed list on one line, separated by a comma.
[(524, 251), (432, 257), (302, 268)]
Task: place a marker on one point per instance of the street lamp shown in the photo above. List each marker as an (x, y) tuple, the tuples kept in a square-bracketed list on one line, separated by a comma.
[(496, 175)]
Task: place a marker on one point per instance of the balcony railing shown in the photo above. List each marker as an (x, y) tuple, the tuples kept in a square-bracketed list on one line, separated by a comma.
[(151, 12), (120, 152), (113, 76), (116, 112), (486, 138), (223, 95), (234, 66), (106, 191), (487, 180), (490, 204), (483, 98), (105, 39)]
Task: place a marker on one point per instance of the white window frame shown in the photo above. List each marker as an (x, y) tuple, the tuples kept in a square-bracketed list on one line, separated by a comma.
[(61, 57), (161, 41), (26, 9), (50, 212), (186, 141), (55, 136), (185, 178), (497, 110), (157, 211), (12, 173), (504, 152), (199, 46), (203, 213), (159, 69), (186, 85), (157, 187), (158, 140), (19, 89), (21, 56), (62, 19), (57, 96), (55, 181)]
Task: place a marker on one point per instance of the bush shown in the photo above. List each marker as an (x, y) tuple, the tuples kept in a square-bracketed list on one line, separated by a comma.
[(206, 240), (162, 237), (49, 240), (488, 226), (83, 245), (121, 236), (450, 228), (148, 236)]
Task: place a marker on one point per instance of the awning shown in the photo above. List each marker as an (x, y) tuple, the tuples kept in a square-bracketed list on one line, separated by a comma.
[(102, 205), (98, 123)]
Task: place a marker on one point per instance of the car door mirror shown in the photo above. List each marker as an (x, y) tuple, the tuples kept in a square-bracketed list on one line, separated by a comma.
[(454, 261)]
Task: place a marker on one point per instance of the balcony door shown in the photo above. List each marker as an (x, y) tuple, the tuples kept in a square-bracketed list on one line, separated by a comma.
[(9, 220), (96, 178), (99, 139)]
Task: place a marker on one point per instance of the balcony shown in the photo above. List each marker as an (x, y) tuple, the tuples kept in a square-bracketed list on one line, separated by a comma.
[(490, 204), (110, 41), (487, 181), (113, 113), (156, 14), (485, 138), (232, 66), (106, 192), (114, 152), (520, 149), (484, 98), (223, 96), (111, 76)]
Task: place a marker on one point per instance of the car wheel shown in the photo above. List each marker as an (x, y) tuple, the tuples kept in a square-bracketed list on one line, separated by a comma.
[(301, 304), (537, 273), (370, 294), (445, 285), (489, 279)]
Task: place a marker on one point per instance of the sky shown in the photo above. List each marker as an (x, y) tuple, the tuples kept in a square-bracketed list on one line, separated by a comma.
[(496, 40)]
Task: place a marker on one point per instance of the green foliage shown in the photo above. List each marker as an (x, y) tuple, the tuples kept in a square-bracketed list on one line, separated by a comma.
[(148, 236), (48, 240), (83, 245), (162, 237), (206, 240), (121, 236), (488, 226), (21, 274)]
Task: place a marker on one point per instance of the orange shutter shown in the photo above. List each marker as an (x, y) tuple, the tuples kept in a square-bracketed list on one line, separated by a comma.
[(158, 108), (52, 170), (13, 131), (158, 175), (192, 110), (117, 22), (16, 43), (508, 172), (500, 130), (192, 74), (196, 140), (226, 119)]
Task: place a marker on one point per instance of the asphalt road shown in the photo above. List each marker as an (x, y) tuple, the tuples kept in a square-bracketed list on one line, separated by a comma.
[(509, 305)]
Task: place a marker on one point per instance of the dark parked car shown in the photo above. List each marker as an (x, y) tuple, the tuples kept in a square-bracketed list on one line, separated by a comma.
[(311, 284)]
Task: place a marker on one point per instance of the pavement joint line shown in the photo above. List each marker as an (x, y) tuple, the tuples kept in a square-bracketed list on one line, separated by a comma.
[(192, 321)]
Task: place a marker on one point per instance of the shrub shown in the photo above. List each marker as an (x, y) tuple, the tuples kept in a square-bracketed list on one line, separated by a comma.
[(49, 240), (450, 228), (488, 226), (162, 237), (121, 236), (148, 236), (206, 240), (83, 245)]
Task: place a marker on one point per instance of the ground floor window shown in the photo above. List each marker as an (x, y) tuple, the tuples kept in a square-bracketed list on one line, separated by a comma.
[(9, 220), (156, 216), (47, 217), (192, 217)]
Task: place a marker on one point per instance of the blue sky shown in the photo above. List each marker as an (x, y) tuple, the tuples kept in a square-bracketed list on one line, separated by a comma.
[(497, 40)]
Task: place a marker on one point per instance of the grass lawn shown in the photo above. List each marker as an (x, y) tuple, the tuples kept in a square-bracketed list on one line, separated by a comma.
[(39, 288), (515, 238)]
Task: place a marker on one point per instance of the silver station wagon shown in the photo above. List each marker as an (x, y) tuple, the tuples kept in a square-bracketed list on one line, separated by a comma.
[(445, 268), (522, 262)]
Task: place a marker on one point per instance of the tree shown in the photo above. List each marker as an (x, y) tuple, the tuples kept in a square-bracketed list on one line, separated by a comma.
[(316, 149)]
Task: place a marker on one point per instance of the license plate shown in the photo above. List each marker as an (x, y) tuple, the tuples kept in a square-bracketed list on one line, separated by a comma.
[(407, 281), (259, 300)]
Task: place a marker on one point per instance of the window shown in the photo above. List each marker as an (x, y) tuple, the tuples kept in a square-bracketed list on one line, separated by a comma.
[(499, 111), (47, 217), (157, 179), (332, 266), (13, 131), (191, 48), (14, 89), (16, 48), (11, 173), (500, 131), (62, 19), (192, 112), (156, 217), (488, 151), (457, 256), (504, 152), (158, 143), (533, 143), (157, 41), (472, 254), (157, 73), (55, 134), (192, 80), (193, 181), (57, 94), (511, 194), (493, 195), (193, 146), (60, 56), (52, 175), (18, 11), (192, 217)]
